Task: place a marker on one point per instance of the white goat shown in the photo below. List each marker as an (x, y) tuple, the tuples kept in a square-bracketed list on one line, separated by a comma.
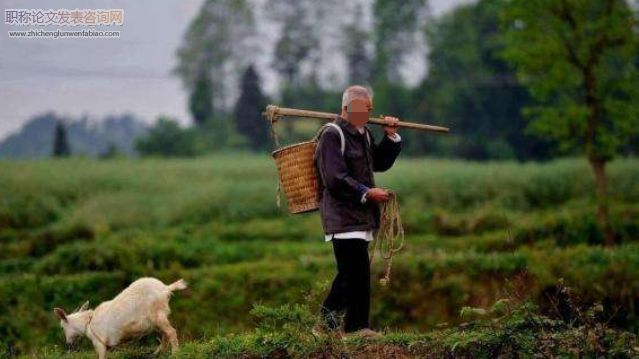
[(140, 308)]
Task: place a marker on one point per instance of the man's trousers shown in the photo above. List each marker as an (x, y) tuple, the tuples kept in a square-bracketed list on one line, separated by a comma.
[(350, 291)]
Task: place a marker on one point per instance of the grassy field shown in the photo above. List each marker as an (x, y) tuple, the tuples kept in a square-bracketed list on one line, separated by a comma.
[(76, 230)]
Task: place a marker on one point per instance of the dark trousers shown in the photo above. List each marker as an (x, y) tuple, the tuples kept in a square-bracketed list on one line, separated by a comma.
[(350, 291)]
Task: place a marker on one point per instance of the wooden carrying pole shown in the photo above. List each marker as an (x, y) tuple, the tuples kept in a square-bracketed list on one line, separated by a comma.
[(274, 112)]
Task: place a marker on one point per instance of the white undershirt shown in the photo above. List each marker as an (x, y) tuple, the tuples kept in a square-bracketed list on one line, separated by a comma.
[(365, 235)]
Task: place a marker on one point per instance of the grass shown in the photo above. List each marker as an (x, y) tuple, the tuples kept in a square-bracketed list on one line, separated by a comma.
[(284, 333), (77, 229)]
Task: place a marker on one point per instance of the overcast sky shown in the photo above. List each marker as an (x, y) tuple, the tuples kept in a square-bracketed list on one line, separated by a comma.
[(99, 77)]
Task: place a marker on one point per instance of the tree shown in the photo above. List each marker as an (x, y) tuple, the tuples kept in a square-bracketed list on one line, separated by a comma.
[(216, 48), (295, 48), (167, 139), (577, 60), (60, 141), (297, 41), (355, 39), (248, 110), (396, 25), (473, 89), (396, 29), (201, 99)]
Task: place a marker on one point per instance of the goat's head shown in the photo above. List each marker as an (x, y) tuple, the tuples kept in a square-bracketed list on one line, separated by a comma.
[(74, 324)]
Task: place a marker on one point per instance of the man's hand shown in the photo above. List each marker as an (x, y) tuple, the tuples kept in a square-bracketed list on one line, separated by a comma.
[(391, 126), (377, 195)]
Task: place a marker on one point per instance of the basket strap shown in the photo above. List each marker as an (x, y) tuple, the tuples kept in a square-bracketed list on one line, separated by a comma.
[(368, 136), (341, 135)]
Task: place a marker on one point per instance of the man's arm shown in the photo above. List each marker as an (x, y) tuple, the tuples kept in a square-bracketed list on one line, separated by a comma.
[(334, 171), (385, 153)]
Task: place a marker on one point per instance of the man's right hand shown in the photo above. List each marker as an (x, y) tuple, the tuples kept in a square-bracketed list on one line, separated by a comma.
[(377, 195)]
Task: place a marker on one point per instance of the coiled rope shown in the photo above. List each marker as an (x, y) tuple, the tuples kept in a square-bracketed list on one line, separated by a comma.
[(389, 238)]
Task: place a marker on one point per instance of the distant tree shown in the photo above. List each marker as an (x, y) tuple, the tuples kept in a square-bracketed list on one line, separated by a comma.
[(471, 88), (294, 49), (218, 135), (358, 60), (577, 58), (396, 29), (201, 99), (60, 141), (167, 139), (215, 50), (297, 40), (396, 25), (248, 111)]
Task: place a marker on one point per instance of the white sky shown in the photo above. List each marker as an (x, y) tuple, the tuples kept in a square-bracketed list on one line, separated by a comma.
[(99, 77)]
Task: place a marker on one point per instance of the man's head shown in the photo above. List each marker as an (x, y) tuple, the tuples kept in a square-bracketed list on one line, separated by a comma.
[(357, 103)]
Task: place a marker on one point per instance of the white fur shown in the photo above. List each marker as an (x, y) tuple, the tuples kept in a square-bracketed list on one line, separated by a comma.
[(141, 308)]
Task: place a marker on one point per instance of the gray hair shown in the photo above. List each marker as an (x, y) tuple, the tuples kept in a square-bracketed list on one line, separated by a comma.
[(356, 92)]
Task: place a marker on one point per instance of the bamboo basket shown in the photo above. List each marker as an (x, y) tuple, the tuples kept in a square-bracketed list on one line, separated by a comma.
[(298, 176)]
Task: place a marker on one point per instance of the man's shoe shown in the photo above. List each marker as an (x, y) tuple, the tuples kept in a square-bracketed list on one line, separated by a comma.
[(365, 333), (321, 330)]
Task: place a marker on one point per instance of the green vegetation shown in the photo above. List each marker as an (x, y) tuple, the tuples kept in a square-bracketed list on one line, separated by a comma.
[(578, 61), (510, 329), (74, 230)]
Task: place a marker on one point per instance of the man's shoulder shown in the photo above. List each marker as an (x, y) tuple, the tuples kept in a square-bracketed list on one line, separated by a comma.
[(329, 137), (334, 128), (340, 121), (331, 131)]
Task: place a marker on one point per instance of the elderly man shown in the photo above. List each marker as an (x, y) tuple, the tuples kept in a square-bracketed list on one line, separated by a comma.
[(346, 158)]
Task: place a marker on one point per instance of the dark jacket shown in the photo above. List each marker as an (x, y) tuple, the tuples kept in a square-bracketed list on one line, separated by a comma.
[(344, 179)]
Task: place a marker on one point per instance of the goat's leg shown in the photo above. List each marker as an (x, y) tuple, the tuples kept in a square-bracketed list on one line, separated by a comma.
[(102, 351), (165, 326), (164, 342)]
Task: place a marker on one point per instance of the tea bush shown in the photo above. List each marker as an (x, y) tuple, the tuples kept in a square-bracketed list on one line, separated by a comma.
[(75, 230)]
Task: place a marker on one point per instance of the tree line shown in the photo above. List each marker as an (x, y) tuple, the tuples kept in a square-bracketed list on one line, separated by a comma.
[(493, 66)]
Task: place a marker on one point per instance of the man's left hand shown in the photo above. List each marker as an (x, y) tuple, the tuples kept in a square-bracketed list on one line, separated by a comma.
[(391, 126)]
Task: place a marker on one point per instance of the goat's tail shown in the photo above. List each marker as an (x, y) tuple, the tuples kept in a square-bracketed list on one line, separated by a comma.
[(178, 285)]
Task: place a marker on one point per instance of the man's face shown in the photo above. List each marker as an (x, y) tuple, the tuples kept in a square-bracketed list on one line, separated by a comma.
[(358, 111)]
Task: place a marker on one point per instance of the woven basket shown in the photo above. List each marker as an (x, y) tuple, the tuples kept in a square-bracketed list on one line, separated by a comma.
[(298, 176)]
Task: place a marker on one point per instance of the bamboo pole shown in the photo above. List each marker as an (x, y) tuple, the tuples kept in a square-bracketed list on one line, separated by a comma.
[(273, 112)]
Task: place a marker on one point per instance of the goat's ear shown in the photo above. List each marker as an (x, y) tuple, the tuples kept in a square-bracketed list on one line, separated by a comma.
[(84, 306), (61, 314)]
